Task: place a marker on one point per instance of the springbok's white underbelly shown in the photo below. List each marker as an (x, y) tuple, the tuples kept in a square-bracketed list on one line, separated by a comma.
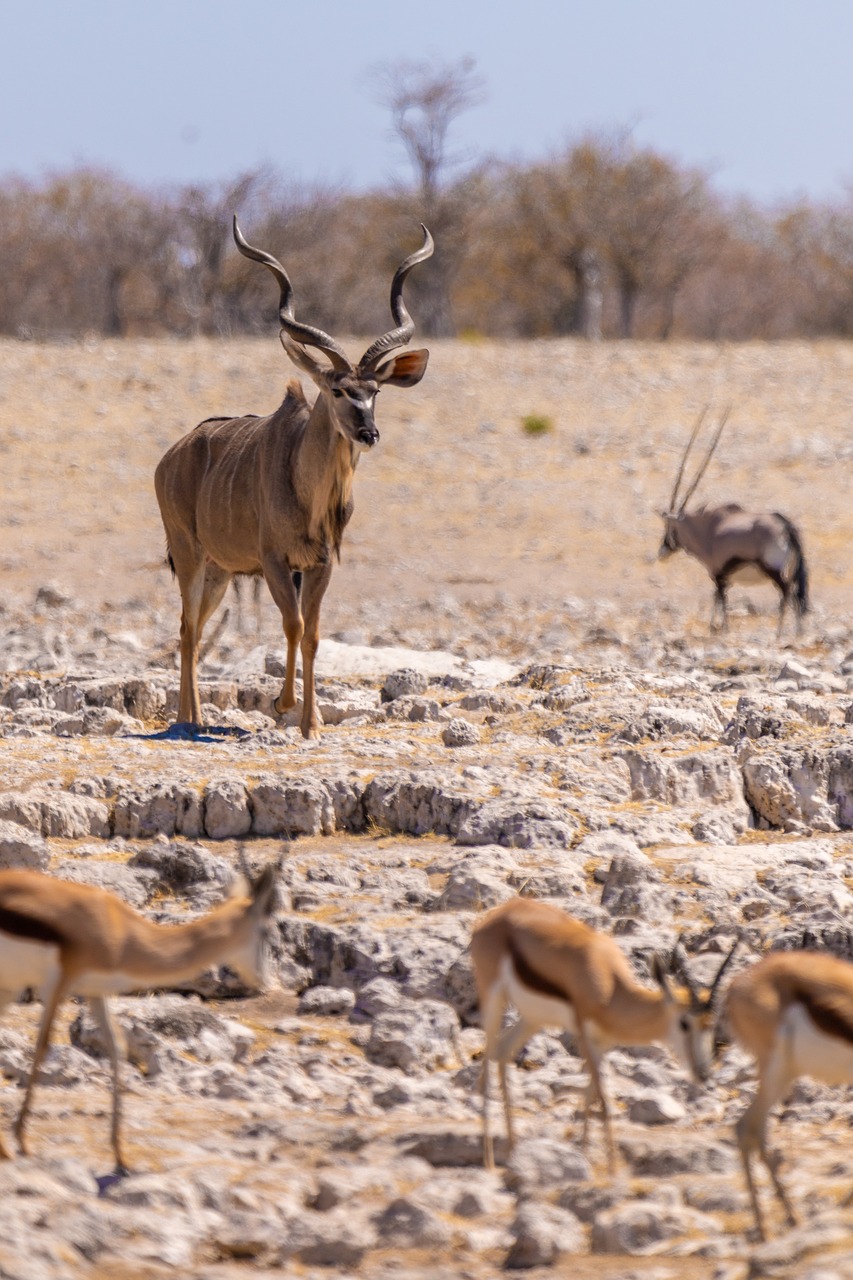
[(26, 964), (112, 984), (534, 1006), (814, 1053)]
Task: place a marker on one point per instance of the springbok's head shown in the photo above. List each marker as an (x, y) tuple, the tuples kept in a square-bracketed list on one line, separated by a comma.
[(350, 390), (255, 899), (693, 1011), (676, 509)]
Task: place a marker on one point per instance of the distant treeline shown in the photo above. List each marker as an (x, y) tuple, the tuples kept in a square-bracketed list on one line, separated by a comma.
[(603, 240)]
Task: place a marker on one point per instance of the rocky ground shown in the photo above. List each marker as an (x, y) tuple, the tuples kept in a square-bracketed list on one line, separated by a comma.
[(517, 700)]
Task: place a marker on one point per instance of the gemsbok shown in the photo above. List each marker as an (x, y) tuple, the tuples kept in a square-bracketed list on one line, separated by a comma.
[(273, 495), (558, 972), (793, 1011), (64, 939), (734, 544)]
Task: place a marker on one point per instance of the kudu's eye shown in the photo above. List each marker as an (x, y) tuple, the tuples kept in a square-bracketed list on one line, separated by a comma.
[(337, 393), (684, 1023)]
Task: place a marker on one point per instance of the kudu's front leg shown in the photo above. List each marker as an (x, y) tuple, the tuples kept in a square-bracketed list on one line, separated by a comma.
[(314, 588), (284, 591)]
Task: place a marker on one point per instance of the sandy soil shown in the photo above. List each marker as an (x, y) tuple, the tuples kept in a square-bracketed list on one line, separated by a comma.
[(456, 506), (468, 534)]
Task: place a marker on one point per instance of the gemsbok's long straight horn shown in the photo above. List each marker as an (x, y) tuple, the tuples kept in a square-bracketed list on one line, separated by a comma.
[(708, 456)]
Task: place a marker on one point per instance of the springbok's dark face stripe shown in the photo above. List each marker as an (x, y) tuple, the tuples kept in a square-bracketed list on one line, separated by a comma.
[(27, 929), (831, 1021), (534, 980)]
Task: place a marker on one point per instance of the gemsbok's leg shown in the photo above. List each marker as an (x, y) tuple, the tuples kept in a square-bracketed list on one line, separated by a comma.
[(720, 605), (283, 590), (115, 1050), (52, 1001), (315, 582), (781, 621)]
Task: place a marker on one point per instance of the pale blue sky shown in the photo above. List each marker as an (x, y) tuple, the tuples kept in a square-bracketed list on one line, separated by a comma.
[(760, 92)]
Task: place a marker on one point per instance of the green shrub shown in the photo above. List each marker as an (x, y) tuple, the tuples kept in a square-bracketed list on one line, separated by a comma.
[(537, 424)]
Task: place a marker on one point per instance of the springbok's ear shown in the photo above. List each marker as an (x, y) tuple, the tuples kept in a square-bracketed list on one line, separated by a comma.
[(264, 889), (405, 370), (660, 973), (303, 360)]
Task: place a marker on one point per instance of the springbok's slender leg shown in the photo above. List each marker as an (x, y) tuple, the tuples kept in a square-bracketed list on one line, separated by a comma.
[(510, 1043), (595, 1093), (283, 590), (751, 1132), (314, 586), (6, 997), (52, 1001), (501, 1047), (115, 1050), (491, 1014)]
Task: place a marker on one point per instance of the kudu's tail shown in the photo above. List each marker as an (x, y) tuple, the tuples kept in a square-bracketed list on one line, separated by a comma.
[(801, 573)]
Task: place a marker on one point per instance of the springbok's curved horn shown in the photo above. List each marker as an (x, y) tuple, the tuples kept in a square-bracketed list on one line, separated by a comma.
[(713, 994), (679, 967), (689, 494), (243, 864), (405, 324), (304, 334), (684, 457)]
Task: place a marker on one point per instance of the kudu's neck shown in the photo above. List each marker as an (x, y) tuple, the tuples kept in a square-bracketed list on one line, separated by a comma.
[(323, 470)]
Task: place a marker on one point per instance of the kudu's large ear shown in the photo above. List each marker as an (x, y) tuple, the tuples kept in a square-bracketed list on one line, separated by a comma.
[(304, 360), (404, 370)]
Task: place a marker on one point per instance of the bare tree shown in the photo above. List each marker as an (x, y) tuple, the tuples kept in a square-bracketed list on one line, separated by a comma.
[(205, 216), (425, 98)]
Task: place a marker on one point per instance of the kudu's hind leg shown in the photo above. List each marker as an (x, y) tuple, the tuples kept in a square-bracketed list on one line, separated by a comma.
[(202, 589), (191, 579)]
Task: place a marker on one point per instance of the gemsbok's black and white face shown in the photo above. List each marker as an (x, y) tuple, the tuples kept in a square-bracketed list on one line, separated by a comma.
[(670, 543)]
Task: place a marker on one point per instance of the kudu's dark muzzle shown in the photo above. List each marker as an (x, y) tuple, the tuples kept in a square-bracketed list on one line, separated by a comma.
[(368, 436)]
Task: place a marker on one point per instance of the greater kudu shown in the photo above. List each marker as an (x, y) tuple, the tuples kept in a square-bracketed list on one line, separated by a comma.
[(272, 495), (733, 543)]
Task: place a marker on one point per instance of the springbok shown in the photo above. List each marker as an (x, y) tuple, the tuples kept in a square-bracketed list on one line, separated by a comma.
[(65, 939), (272, 495), (793, 1011), (736, 544), (558, 972)]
